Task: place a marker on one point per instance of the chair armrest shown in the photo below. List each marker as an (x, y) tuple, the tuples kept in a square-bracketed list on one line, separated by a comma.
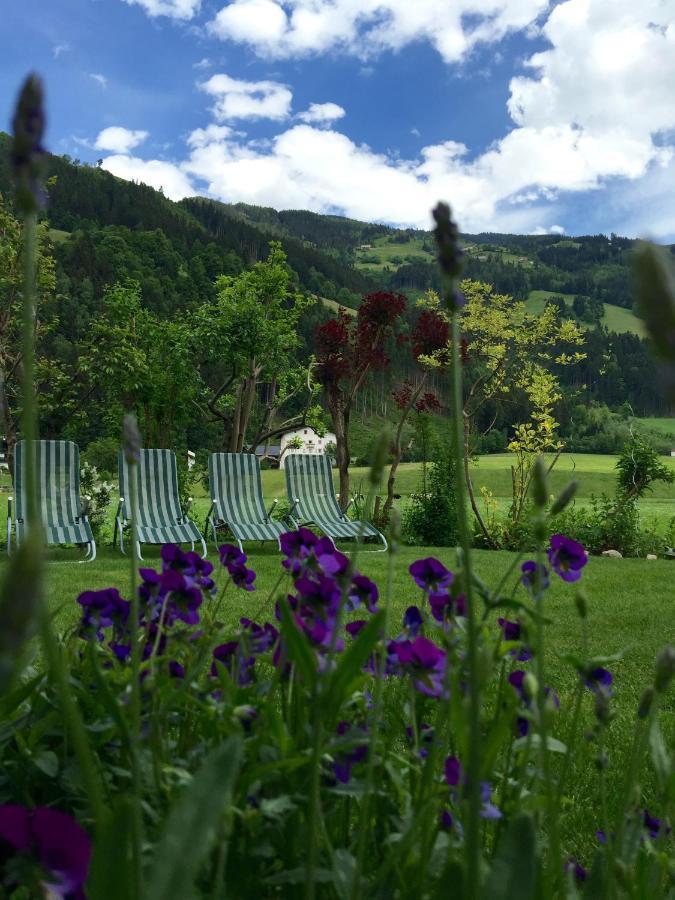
[(292, 509), (121, 509), (271, 509)]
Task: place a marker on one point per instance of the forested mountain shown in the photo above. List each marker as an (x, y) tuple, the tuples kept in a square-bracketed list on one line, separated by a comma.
[(105, 231)]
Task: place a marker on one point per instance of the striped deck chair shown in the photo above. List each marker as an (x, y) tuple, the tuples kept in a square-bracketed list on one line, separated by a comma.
[(237, 499), (160, 517), (309, 482), (64, 516)]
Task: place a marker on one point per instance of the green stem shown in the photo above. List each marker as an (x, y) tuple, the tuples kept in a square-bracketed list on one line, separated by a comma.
[(135, 704), (473, 767)]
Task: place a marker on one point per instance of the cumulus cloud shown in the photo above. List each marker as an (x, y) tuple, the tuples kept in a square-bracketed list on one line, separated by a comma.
[(119, 140), (236, 99), (174, 9), (289, 28), (100, 79), (322, 112), (594, 111), (161, 175)]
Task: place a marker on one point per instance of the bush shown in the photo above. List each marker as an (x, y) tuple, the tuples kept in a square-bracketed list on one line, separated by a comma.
[(102, 455), (100, 493), (430, 519)]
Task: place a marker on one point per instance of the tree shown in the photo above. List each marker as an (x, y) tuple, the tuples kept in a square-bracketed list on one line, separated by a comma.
[(348, 351), (247, 337), (11, 357), (505, 351), (429, 347)]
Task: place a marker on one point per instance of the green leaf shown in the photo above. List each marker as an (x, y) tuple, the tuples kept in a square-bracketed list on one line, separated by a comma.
[(351, 662), (47, 762), (298, 646), (111, 865), (661, 758), (20, 594), (193, 819), (513, 875), (534, 740)]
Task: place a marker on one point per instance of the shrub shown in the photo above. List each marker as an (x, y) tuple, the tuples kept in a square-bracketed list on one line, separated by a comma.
[(430, 519), (102, 455), (100, 493)]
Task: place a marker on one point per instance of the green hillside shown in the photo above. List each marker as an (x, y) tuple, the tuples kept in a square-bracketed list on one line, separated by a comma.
[(615, 318)]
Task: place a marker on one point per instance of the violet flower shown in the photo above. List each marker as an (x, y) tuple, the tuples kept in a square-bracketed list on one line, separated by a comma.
[(412, 621), (529, 570), (512, 632), (567, 557), (55, 840), (431, 575), (423, 661), (103, 609), (362, 592)]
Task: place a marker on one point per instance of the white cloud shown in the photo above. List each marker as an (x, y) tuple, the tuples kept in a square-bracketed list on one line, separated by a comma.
[(322, 112), (593, 112), (237, 99), (101, 79), (204, 63), (174, 9), (155, 172), (58, 49), (288, 28), (119, 140)]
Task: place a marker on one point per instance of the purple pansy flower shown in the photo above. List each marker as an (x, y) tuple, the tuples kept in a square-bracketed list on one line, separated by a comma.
[(443, 606), (229, 656), (528, 577), (573, 867), (412, 621), (512, 632), (423, 661), (261, 637), (431, 575), (362, 592), (653, 826), (455, 777), (567, 557), (60, 845), (103, 609), (231, 555), (353, 628), (598, 679)]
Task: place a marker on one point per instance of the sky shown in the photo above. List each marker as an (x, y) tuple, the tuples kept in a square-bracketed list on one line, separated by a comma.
[(527, 116)]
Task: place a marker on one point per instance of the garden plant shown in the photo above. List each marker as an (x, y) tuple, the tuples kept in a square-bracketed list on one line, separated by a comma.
[(322, 748)]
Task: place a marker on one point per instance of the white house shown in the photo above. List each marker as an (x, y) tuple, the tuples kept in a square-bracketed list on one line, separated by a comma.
[(304, 440)]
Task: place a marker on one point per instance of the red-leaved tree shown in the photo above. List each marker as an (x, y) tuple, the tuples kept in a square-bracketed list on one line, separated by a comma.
[(429, 344), (348, 350)]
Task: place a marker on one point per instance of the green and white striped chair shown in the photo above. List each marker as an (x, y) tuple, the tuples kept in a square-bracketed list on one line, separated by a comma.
[(309, 482), (237, 500), (64, 516), (160, 517)]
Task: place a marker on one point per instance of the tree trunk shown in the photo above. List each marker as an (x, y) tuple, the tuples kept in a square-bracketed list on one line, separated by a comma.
[(469, 486), (340, 418), (389, 502)]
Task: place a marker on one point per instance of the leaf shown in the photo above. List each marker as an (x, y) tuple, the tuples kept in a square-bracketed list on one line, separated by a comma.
[(513, 875), (344, 868), (20, 595), (534, 740), (298, 646), (47, 762), (352, 661), (193, 819), (111, 864), (661, 758)]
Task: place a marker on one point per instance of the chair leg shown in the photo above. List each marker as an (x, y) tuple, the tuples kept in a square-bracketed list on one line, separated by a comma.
[(120, 534), (204, 549), (138, 550), (9, 537)]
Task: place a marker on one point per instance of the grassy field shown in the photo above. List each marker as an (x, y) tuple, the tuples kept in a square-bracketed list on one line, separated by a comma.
[(664, 425), (616, 318)]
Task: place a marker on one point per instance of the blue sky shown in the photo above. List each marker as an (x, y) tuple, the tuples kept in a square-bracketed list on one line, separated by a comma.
[(526, 115)]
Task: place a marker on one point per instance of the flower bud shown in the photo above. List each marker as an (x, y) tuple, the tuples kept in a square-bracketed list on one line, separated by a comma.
[(665, 669), (131, 440), (27, 154), (645, 703), (379, 459), (449, 252), (530, 686), (539, 486)]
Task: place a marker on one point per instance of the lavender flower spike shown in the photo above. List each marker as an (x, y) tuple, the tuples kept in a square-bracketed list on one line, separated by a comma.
[(27, 154)]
